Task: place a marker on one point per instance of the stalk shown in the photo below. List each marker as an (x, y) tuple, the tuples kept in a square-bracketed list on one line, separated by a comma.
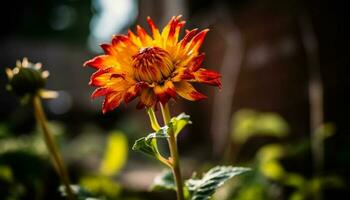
[(51, 146), (172, 142), (156, 127)]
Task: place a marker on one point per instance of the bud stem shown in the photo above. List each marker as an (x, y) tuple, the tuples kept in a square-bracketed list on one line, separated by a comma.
[(51, 146)]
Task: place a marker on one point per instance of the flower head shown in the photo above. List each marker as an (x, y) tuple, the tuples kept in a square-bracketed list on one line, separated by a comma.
[(156, 68), (28, 79)]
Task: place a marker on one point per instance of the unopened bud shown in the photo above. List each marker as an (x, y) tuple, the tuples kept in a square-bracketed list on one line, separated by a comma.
[(26, 78)]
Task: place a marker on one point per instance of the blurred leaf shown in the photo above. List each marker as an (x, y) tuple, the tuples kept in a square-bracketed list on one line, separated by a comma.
[(247, 123), (326, 130), (204, 188), (148, 145), (179, 122), (272, 124), (252, 192), (270, 152), (164, 181), (115, 155), (4, 130), (27, 143), (273, 170), (6, 173), (294, 180), (101, 186), (297, 196), (269, 164)]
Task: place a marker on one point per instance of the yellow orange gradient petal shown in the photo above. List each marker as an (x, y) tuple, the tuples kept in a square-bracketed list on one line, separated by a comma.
[(187, 91)]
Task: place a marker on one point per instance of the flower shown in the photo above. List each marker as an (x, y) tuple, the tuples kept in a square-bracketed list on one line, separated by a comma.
[(28, 79), (156, 68)]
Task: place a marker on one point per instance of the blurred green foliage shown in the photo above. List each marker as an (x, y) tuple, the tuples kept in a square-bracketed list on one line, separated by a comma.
[(101, 183), (116, 154), (101, 158), (247, 123), (271, 179), (24, 164), (101, 186)]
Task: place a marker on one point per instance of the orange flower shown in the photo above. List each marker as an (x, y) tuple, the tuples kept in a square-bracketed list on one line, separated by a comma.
[(156, 68)]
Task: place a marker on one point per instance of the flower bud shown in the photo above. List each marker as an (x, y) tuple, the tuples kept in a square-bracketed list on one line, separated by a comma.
[(26, 78)]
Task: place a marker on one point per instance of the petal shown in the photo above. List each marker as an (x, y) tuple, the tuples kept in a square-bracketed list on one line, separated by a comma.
[(112, 101), (188, 37), (196, 42), (134, 39), (196, 62), (175, 26), (123, 44), (107, 49), (186, 68), (119, 39), (132, 93), (187, 91), (208, 77), (146, 40), (165, 92), (188, 47), (154, 29), (100, 77), (102, 62), (102, 91), (170, 34), (182, 74), (147, 98)]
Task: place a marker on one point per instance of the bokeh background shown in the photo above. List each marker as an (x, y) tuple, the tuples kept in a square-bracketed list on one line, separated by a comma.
[(283, 66)]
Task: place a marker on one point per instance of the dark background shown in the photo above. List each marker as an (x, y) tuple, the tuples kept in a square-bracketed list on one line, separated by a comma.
[(258, 45)]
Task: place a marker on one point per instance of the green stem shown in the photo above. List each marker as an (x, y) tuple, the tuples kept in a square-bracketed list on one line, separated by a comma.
[(165, 113), (174, 154), (156, 127), (153, 119), (56, 156)]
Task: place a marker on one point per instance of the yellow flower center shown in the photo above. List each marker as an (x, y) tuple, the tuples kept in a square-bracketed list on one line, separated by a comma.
[(152, 64)]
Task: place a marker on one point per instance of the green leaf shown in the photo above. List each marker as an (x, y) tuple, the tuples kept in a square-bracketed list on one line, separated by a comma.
[(164, 181), (148, 144), (204, 188), (179, 122), (162, 133)]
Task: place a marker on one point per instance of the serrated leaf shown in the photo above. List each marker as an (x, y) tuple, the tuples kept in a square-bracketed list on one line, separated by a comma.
[(179, 122), (204, 188), (148, 144), (162, 133), (164, 181), (145, 146)]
